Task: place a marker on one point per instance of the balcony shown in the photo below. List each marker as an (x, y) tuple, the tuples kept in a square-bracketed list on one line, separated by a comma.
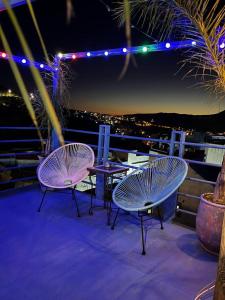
[(56, 255)]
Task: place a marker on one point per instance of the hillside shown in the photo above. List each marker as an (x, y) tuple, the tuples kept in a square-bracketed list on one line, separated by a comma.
[(13, 113), (215, 122)]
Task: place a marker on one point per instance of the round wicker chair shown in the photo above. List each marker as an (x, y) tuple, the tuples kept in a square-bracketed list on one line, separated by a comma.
[(148, 186), (65, 167)]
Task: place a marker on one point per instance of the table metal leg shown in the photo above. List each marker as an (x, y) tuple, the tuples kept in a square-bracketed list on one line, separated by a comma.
[(92, 191)]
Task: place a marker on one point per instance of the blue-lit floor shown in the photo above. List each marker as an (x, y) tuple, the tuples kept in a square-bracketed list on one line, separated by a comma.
[(55, 255)]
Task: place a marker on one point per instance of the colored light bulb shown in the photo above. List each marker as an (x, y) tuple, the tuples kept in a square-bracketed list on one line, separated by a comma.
[(168, 45), (193, 43), (73, 56), (144, 49), (41, 66), (222, 46), (60, 55), (88, 54), (106, 53), (3, 54), (124, 50), (23, 60)]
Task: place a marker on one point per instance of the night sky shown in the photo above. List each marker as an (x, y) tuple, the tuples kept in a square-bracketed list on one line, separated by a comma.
[(152, 87)]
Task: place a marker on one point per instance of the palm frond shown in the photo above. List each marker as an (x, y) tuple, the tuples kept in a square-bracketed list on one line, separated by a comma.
[(35, 73), (127, 14), (30, 6), (201, 21), (69, 10)]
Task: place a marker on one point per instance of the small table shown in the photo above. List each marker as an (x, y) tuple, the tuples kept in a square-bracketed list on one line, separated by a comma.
[(108, 174)]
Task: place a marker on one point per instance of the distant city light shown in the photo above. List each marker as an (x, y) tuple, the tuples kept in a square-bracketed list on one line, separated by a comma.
[(9, 91), (193, 43), (41, 66), (124, 50), (144, 49), (31, 95), (60, 55), (24, 60), (168, 45), (222, 46), (89, 54), (106, 53), (73, 56)]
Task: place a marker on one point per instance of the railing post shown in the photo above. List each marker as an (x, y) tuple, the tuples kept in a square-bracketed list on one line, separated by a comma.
[(181, 144), (100, 144), (182, 136), (172, 140), (106, 144), (103, 144), (102, 157)]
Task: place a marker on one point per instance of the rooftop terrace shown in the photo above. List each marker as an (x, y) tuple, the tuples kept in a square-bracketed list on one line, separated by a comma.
[(56, 255)]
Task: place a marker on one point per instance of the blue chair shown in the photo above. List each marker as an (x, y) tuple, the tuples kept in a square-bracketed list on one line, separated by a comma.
[(148, 186)]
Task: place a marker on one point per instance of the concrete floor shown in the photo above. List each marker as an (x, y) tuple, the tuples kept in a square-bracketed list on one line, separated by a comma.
[(55, 255)]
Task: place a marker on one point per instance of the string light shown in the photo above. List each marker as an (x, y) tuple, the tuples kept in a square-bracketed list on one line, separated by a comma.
[(24, 61), (168, 45), (134, 49), (112, 52), (144, 49)]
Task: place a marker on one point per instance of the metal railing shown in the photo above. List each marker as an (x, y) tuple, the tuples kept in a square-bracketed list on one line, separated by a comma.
[(103, 147), (8, 155)]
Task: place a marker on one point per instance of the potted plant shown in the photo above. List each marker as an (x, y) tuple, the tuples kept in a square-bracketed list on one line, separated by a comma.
[(210, 215)]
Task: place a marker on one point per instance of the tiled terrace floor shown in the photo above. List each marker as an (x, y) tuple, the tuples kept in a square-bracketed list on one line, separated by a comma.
[(55, 255)]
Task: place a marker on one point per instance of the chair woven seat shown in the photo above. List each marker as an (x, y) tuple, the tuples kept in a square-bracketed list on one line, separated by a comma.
[(150, 184), (66, 166)]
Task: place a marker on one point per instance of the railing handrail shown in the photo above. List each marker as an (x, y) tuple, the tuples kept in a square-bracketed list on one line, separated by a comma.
[(165, 141), (21, 141), (140, 138), (80, 131)]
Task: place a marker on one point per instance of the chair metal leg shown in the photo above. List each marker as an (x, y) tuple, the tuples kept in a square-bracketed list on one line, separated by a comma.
[(142, 236), (75, 200), (109, 210), (114, 222), (160, 218), (91, 208), (42, 200)]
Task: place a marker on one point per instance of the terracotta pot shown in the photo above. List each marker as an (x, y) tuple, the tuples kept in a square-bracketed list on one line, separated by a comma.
[(209, 223)]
